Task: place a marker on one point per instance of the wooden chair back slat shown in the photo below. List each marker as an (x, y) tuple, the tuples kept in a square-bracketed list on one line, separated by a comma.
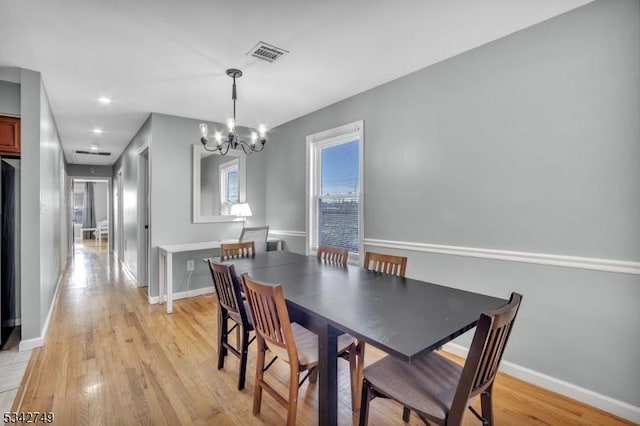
[(333, 255), (237, 250), (270, 315), (228, 288), (385, 263), (485, 353)]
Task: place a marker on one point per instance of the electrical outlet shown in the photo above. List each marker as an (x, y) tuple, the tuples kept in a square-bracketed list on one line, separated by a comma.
[(190, 265)]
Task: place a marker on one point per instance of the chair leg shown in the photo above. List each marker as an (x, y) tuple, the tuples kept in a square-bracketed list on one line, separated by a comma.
[(406, 414), (487, 405), (257, 387), (244, 350), (222, 338), (292, 407), (313, 375), (364, 403)]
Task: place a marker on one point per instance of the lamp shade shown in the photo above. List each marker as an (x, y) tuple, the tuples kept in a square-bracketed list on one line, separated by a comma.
[(241, 209)]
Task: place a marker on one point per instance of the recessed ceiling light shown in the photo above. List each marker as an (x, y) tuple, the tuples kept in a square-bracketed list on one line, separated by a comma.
[(97, 131), (104, 100), (93, 147)]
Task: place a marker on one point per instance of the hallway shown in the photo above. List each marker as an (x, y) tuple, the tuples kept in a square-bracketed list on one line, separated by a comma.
[(111, 358)]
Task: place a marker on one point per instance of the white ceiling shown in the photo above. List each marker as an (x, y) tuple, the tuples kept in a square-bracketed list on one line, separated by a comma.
[(170, 56)]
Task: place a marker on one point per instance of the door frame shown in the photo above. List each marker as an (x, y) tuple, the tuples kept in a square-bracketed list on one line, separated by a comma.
[(143, 155), (72, 182), (118, 228)]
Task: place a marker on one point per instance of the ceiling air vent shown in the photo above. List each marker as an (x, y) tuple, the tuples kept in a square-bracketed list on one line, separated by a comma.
[(78, 151), (81, 156), (267, 52)]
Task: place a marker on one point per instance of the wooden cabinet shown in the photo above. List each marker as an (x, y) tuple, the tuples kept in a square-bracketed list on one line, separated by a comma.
[(9, 136)]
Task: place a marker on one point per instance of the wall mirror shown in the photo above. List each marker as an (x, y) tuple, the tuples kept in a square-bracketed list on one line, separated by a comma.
[(218, 183)]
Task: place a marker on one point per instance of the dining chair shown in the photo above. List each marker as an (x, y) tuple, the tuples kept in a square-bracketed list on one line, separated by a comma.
[(439, 390), (331, 254), (237, 250), (231, 306), (287, 340), (258, 234), (385, 263)]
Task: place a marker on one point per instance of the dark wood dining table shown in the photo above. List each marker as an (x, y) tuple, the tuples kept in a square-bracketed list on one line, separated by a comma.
[(401, 316)]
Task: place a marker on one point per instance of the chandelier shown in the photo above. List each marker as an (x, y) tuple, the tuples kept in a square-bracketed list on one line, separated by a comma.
[(232, 140)]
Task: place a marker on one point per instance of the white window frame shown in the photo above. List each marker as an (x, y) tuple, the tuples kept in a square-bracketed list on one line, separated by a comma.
[(224, 169), (315, 143)]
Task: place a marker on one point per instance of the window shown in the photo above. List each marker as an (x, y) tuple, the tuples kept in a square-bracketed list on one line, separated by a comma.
[(229, 188), (334, 199)]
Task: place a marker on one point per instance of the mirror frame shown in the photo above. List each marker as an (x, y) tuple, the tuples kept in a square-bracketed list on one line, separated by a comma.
[(198, 151)]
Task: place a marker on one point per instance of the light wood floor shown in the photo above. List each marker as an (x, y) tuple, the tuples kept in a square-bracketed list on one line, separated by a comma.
[(111, 358)]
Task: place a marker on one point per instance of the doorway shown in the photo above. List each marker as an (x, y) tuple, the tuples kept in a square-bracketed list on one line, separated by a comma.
[(90, 211)]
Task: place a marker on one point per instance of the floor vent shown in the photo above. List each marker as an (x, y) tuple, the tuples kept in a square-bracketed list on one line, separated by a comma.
[(267, 52)]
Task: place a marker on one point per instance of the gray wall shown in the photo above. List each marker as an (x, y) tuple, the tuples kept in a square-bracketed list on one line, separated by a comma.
[(9, 98), (101, 198), (128, 161), (530, 143), (51, 178), (42, 176), (32, 302)]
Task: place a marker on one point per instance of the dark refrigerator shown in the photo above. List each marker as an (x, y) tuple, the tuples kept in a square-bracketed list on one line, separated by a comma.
[(7, 252)]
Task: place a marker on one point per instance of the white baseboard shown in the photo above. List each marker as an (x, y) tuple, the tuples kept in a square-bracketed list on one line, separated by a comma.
[(184, 294), (586, 396), (28, 344), (128, 273)]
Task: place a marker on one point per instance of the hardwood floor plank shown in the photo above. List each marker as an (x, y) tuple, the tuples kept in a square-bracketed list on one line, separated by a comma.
[(112, 359)]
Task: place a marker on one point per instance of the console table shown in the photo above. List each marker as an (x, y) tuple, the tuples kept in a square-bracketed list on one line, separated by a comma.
[(165, 263)]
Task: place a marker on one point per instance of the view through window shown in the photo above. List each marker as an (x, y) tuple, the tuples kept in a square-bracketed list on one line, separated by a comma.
[(338, 201), (335, 173)]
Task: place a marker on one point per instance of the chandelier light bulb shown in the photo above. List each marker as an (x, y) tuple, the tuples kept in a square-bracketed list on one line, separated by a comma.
[(218, 137), (262, 130), (254, 138), (204, 131), (231, 124)]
